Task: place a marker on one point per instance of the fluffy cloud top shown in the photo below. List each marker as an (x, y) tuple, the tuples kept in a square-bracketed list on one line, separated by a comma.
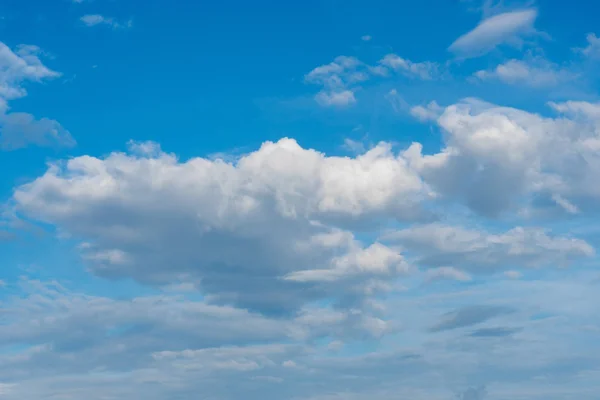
[(496, 158), (265, 233)]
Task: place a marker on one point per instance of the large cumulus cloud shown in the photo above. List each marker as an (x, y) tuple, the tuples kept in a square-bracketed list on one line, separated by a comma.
[(266, 232)]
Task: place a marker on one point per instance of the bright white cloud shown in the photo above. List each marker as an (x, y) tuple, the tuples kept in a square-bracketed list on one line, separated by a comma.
[(236, 229), (496, 158), (506, 28)]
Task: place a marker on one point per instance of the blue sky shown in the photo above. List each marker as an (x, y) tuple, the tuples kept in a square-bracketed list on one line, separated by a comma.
[(316, 201)]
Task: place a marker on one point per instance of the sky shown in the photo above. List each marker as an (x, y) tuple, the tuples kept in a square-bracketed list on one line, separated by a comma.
[(317, 200)]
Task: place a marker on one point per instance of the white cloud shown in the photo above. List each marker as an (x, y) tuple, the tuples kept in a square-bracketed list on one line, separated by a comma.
[(505, 28), (336, 98), (336, 73), (21, 129), (366, 38), (341, 78), (337, 79), (430, 112), (498, 158), (442, 246), (97, 19), (592, 50), (376, 260), (236, 229), (17, 68), (423, 70), (578, 109), (67, 344), (534, 73)]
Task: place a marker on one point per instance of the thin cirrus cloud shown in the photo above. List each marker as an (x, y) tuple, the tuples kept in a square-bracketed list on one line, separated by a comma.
[(536, 73), (341, 78), (91, 20), (506, 28)]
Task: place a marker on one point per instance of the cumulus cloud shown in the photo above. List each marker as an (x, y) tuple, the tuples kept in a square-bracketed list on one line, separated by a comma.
[(506, 28), (497, 157), (438, 245), (265, 233), (535, 73)]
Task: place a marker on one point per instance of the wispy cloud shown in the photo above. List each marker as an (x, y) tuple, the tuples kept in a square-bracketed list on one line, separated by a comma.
[(342, 77), (21, 129), (506, 28), (91, 20), (534, 73), (336, 98), (592, 50)]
